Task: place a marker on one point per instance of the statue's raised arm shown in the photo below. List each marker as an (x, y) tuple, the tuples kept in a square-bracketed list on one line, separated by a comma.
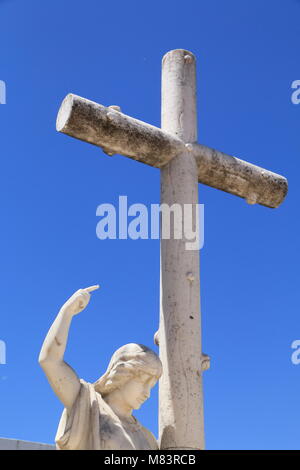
[(62, 378)]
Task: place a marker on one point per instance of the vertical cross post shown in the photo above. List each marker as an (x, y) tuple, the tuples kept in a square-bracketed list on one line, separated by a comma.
[(180, 390)]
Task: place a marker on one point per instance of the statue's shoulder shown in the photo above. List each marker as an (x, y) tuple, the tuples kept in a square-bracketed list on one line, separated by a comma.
[(88, 391)]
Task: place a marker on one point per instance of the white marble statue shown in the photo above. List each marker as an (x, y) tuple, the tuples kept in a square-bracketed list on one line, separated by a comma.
[(99, 416)]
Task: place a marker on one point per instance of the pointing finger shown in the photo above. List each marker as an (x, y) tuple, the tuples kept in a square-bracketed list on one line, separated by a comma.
[(91, 288)]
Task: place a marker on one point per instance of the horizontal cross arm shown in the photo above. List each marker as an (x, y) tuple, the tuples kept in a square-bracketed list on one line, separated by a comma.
[(238, 177), (116, 132)]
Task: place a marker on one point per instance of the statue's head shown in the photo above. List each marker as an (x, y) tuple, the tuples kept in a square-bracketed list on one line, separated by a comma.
[(133, 370)]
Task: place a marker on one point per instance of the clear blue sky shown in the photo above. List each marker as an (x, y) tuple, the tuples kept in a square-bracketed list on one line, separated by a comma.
[(247, 55)]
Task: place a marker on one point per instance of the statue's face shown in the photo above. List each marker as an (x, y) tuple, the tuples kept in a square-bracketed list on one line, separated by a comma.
[(137, 390)]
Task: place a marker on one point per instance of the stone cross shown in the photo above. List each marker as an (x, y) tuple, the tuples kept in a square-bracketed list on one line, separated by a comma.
[(183, 163)]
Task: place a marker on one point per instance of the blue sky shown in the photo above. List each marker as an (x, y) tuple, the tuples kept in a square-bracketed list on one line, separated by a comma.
[(247, 58)]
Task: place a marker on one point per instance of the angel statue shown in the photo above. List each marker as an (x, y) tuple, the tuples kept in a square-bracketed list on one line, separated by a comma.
[(98, 416)]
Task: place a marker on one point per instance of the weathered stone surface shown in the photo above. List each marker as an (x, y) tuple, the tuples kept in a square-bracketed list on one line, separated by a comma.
[(116, 132), (235, 176), (180, 389), (16, 444)]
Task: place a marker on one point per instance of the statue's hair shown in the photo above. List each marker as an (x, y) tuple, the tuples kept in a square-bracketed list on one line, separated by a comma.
[(128, 362)]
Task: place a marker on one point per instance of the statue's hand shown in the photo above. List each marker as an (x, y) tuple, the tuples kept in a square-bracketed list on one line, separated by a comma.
[(79, 300)]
